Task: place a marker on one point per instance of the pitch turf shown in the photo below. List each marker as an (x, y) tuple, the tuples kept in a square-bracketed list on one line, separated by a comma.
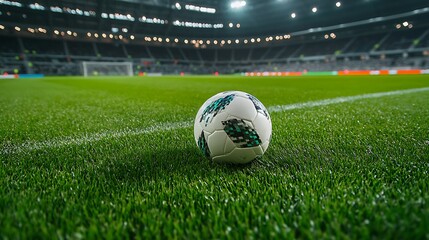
[(116, 158)]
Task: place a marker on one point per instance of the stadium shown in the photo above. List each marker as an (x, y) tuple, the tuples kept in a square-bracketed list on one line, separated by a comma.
[(99, 102)]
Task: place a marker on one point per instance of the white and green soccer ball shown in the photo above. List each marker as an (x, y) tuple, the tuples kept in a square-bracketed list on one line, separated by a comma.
[(232, 127)]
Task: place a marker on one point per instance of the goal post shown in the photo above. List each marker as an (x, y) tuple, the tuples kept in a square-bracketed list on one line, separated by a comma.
[(107, 68)]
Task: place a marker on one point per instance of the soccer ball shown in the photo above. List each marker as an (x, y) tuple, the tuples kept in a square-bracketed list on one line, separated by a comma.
[(232, 127)]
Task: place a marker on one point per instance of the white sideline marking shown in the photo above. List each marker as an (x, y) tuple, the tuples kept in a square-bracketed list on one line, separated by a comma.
[(281, 108), (94, 137), (10, 148)]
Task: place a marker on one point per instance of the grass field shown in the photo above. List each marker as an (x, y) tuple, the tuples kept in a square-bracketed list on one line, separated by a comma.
[(116, 158)]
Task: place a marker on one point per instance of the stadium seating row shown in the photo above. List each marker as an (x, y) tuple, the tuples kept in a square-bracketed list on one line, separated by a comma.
[(407, 49)]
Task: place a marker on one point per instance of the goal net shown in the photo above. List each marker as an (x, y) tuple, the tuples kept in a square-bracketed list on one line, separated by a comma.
[(107, 68)]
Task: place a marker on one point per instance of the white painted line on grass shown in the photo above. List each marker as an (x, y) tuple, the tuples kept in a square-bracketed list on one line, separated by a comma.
[(281, 108), (11, 148)]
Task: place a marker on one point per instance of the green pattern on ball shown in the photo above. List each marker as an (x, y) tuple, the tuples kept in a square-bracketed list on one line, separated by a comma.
[(215, 107), (202, 144), (241, 134)]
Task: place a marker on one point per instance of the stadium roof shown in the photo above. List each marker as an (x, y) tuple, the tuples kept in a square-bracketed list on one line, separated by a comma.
[(202, 18)]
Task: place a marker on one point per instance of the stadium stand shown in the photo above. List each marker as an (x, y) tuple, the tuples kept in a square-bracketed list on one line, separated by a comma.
[(58, 57), (398, 42)]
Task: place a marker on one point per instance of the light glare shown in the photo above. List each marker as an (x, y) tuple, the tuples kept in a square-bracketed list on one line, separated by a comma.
[(238, 4)]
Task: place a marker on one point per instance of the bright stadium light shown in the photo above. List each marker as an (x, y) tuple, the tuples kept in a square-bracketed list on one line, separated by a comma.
[(314, 9), (293, 15), (338, 4), (238, 4)]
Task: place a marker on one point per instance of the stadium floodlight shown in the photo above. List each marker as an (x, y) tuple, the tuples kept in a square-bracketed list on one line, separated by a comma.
[(107, 68), (338, 4), (238, 4), (293, 15), (314, 9)]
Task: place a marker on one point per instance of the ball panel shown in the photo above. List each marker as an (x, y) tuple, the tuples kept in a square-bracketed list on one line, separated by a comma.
[(242, 108), (263, 127), (243, 135), (229, 146), (197, 131), (216, 142), (202, 145), (214, 108), (264, 146), (216, 123), (238, 155), (258, 150), (260, 108), (207, 103)]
